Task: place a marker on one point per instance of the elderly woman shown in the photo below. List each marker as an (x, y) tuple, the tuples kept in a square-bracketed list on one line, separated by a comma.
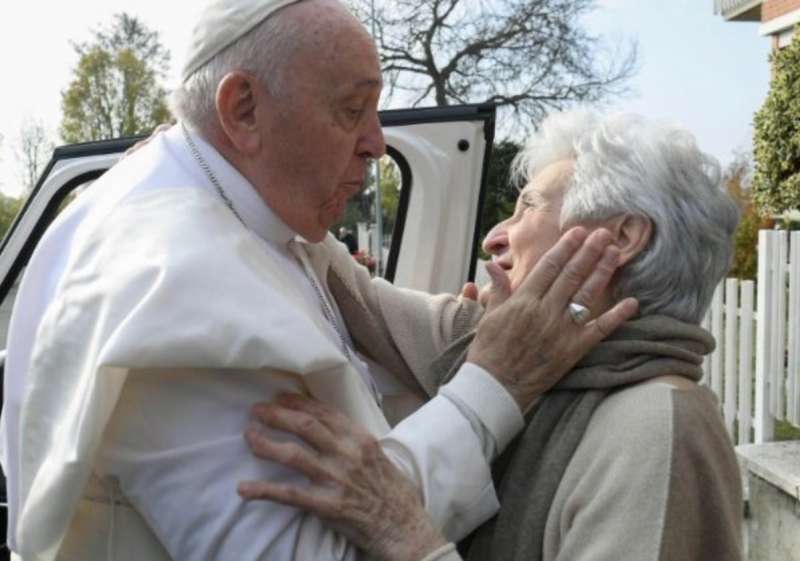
[(627, 457)]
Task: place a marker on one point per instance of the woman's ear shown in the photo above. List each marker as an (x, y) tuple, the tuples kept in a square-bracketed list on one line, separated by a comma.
[(632, 234), (237, 101)]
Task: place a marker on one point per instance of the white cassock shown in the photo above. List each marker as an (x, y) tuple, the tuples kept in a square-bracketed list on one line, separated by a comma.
[(149, 320)]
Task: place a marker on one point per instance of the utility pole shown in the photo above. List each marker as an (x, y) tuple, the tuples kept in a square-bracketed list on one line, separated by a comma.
[(378, 205)]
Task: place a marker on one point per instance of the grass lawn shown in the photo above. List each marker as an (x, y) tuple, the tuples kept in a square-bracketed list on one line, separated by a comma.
[(785, 431)]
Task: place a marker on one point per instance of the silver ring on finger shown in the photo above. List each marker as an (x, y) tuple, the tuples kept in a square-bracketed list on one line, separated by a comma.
[(579, 313)]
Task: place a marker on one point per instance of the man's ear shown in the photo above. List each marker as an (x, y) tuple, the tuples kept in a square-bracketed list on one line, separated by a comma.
[(237, 100), (631, 235)]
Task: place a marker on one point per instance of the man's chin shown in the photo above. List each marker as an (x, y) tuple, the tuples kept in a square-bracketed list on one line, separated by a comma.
[(328, 220), (316, 236)]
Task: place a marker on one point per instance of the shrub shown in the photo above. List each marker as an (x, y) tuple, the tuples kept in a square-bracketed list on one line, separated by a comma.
[(776, 182)]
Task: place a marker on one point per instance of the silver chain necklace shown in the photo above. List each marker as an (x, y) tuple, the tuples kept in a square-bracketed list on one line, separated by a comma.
[(327, 311), (209, 174)]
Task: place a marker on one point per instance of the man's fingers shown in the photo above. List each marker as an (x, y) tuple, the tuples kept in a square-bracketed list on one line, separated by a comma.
[(500, 289), (483, 294), (550, 266), (579, 269), (603, 326), (142, 143), (470, 291), (593, 289)]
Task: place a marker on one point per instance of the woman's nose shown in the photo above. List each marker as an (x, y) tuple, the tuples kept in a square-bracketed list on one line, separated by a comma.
[(496, 241)]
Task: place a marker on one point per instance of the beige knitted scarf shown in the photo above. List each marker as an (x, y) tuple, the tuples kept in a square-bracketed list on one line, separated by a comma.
[(528, 472)]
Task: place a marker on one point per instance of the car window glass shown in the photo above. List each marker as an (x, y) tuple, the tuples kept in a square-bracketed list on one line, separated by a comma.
[(5, 310), (359, 228), (10, 205)]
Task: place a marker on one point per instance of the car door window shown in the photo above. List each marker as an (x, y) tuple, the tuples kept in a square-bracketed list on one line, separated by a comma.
[(368, 235)]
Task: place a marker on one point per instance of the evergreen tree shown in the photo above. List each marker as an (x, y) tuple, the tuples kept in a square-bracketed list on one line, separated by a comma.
[(776, 182), (501, 194)]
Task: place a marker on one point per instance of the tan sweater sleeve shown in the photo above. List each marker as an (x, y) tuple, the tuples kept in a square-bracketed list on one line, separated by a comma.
[(654, 479), (404, 330), (445, 553)]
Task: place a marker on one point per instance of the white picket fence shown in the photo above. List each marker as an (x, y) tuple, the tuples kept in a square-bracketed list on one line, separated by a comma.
[(755, 369)]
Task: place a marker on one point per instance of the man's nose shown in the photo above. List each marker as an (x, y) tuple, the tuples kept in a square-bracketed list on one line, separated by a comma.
[(496, 241), (372, 144)]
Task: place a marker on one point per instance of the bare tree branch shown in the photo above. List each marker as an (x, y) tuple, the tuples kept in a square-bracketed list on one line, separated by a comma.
[(528, 56), (33, 151)]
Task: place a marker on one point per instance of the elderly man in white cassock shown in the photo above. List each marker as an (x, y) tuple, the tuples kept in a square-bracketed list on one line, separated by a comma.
[(198, 277)]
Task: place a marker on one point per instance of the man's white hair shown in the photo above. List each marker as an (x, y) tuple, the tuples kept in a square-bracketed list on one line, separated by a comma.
[(625, 164), (264, 52)]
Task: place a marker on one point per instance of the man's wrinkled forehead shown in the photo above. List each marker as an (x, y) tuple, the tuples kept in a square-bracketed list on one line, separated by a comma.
[(353, 68)]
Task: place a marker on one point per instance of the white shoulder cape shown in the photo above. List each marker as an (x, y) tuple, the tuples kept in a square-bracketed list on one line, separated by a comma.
[(168, 278)]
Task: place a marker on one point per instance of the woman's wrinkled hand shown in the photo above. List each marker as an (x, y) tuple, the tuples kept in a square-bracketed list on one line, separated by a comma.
[(164, 127), (352, 486)]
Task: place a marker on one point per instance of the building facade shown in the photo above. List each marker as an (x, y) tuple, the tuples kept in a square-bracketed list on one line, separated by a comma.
[(778, 19)]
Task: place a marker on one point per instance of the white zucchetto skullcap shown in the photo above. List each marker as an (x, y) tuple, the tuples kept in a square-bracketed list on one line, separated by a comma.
[(222, 23)]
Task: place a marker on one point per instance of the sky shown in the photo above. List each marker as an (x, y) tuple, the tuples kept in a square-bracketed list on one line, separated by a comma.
[(694, 67)]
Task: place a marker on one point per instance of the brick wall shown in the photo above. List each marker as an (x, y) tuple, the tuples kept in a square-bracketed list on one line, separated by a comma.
[(772, 9)]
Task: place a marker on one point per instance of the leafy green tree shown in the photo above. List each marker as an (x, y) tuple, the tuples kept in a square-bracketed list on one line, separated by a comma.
[(776, 182), (390, 193), (361, 208), (1, 153), (738, 184), (116, 90), (9, 207), (501, 195)]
